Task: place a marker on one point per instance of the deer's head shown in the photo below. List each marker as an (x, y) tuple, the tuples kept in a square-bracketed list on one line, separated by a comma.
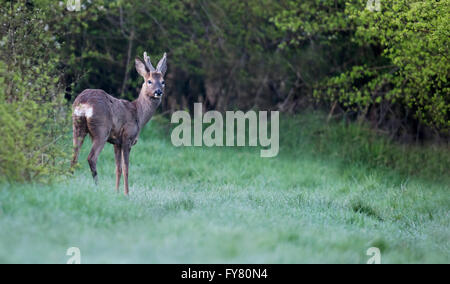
[(154, 84)]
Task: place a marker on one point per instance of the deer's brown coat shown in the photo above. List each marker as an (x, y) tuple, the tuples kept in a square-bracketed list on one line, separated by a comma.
[(108, 119)]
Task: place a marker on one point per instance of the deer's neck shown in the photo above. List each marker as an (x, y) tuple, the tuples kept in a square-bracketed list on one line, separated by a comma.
[(145, 107)]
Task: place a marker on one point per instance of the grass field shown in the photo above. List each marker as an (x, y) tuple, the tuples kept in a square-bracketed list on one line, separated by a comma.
[(322, 200)]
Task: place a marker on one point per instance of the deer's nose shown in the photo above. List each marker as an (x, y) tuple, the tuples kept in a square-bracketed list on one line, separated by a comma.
[(158, 92)]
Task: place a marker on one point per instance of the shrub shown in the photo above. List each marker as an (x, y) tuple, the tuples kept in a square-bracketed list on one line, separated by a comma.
[(414, 38), (32, 111), (390, 66)]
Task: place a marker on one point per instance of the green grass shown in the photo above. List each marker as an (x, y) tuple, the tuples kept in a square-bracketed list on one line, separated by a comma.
[(326, 198)]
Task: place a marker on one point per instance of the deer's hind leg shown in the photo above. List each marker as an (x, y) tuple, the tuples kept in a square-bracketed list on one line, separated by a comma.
[(79, 133), (99, 134), (97, 147)]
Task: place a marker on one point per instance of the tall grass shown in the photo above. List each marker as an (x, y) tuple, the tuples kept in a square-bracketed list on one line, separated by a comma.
[(358, 145)]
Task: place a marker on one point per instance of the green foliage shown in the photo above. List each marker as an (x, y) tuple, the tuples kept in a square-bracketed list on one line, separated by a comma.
[(312, 20), (415, 37), (32, 110), (398, 65)]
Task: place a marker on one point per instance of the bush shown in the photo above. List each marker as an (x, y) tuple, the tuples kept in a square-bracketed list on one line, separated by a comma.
[(32, 111), (389, 67), (414, 39)]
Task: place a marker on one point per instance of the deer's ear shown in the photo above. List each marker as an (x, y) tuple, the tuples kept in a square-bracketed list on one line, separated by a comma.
[(140, 67), (162, 65)]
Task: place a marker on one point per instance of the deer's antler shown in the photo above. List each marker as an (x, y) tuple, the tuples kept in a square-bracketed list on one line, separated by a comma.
[(148, 63)]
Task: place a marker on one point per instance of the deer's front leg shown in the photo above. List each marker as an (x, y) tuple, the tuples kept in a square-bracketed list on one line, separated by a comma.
[(118, 158), (125, 162)]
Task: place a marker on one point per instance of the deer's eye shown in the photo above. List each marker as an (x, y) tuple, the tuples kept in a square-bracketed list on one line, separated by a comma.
[(149, 82)]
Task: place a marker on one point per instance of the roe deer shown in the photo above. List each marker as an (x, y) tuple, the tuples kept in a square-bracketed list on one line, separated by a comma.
[(107, 119)]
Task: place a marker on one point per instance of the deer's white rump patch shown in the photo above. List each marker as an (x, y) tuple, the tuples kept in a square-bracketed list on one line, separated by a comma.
[(83, 110)]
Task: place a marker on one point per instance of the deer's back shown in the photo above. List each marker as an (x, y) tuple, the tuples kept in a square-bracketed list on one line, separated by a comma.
[(103, 112)]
